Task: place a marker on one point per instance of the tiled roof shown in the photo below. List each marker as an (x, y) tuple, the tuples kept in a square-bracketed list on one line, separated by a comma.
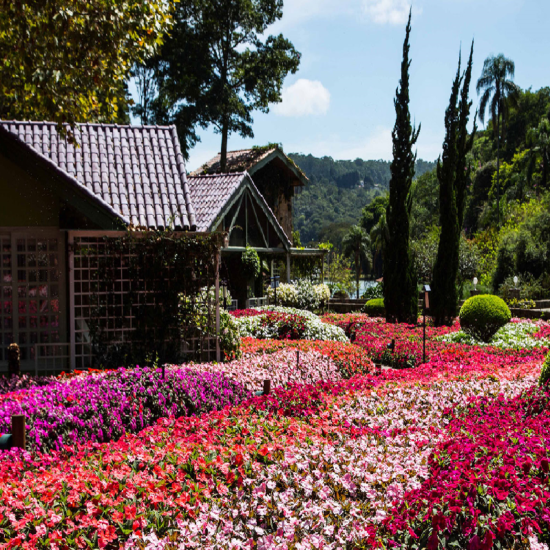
[(210, 194), (237, 161), (138, 171), (248, 160)]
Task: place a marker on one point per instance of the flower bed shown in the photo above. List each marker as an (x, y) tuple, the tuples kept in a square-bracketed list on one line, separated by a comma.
[(282, 367), (287, 323), (323, 465), (102, 407), (374, 335), (17, 383), (452, 453), (517, 335), (349, 359)]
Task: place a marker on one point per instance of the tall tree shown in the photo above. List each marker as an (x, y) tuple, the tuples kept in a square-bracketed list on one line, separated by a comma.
[(465, 141), (67, 60), (444, 292), (539, 140), (400, 290), (217, 67), (498, 92), (453, 176), (356, 244)]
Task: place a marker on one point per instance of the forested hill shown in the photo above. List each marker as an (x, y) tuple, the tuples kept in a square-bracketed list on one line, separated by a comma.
[(337, 192)]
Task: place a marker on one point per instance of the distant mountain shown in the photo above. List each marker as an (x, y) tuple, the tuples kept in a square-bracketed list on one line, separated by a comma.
[(337, 192)]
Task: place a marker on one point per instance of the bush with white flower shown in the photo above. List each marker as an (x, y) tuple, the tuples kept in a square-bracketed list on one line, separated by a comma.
[(291, 323), (302, 294), (515, 335)]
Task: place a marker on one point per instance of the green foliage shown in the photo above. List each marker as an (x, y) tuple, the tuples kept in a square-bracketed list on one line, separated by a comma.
[(174, 268), (545, 372), (251, 263), (302, 295), (219, 65), (498, 93), (339, 275), (67, 61), (521, 304), (453, 176), (444, 291), (374, 291), (481, 316), (538, 138), (230, 340), (400, 290), (325, 210), (524, 244), (375, 308), (425, 205)]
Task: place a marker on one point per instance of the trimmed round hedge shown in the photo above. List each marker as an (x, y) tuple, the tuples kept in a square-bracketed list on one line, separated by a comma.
[(481, 316), (545, 372), (375, 307)]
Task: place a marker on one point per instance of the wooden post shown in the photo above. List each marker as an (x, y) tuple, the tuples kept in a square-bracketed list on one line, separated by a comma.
[(14, 360), (267, 387), (18, 431), (288, 267)]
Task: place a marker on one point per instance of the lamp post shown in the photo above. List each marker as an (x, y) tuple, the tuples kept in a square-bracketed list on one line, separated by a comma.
[(427, 291), (515, 292), (475, 291)]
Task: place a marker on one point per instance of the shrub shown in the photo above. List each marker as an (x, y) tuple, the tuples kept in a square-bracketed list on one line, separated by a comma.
[(302, 295), (230, 337), (251, 263), (545, 372), (375, 308), (374, 291), (481, 316)]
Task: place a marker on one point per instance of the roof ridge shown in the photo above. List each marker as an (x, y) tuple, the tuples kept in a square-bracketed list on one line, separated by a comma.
[(219, 175), (101, 124)]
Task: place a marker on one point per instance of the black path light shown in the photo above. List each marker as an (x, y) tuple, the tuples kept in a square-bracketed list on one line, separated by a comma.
[(426, 305)]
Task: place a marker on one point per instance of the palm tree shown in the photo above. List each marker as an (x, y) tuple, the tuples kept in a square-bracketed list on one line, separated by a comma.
[(539, 140), (498, 91), (356, 243)]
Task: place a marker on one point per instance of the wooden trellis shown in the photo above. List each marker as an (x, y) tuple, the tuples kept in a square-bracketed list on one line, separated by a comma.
[(112, 307)]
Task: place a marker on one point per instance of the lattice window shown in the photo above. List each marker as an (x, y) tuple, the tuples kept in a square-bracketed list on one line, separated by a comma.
[(31, 291)]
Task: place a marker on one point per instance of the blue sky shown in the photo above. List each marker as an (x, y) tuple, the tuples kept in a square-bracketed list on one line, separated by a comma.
[(340, 102)]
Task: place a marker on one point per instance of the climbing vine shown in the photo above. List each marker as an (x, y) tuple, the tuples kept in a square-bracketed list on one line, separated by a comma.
[(140, 279)]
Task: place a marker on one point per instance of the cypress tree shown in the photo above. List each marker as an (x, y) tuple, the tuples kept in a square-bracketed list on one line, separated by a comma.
[(400, 288), (453, 178), (465, 141)]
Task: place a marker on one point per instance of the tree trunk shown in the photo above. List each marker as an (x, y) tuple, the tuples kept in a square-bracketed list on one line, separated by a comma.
[(223, 155), (357, 273), (498, 167)]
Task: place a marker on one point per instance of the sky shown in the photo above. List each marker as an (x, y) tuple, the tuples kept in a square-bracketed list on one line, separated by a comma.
[(340, 102)]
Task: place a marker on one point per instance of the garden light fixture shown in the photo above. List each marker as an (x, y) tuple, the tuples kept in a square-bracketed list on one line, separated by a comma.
[(475, 283)]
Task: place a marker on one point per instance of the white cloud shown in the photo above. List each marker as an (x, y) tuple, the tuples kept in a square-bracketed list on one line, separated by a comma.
[(377, 146), (304, 97), (394, 12)]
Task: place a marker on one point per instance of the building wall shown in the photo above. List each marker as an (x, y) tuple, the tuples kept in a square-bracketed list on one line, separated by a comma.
[(23, 203), (275, 184)]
